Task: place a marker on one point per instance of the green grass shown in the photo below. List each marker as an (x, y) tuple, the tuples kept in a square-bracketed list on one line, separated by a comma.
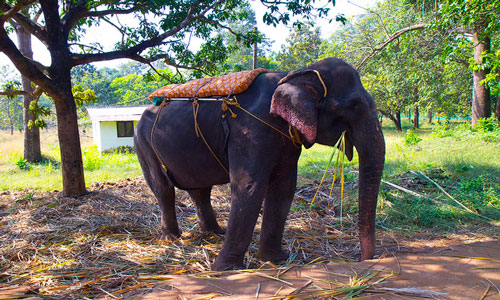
[(17, 174), (464, 161)]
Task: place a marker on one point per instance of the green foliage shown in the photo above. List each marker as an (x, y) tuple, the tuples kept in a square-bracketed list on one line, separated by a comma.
[(478, 193), (11, 110), (490, 124), (411, 138), (23, 164), (486, 129), (91, 158), (469, 13), (132, 89), (240, 50), (40, 111), (480, 19), (83, 96), (302, 48)]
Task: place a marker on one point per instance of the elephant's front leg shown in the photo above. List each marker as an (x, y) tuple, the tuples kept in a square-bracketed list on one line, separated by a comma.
[(276, 208), (247, 193)]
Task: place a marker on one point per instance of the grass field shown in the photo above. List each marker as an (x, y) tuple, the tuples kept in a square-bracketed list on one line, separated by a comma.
[(441, 187), (434, 160), (17, 175)]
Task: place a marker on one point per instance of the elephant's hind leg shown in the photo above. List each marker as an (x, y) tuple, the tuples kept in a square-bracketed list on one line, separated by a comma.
[(169, 225), (205, 211), (164, 192)]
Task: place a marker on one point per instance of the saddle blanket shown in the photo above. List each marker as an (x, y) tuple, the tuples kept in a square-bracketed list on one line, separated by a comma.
[(233, 83)]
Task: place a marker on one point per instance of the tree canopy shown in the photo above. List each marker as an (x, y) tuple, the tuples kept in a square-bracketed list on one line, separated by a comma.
[(162, 30)]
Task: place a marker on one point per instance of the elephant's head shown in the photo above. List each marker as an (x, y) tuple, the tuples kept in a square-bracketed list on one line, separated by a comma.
[(325, 100)]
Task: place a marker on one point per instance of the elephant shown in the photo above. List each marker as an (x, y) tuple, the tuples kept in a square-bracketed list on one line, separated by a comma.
[(259, 162)]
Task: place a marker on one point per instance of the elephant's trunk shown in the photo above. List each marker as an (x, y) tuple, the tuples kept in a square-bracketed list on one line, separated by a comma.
[(369, 142)]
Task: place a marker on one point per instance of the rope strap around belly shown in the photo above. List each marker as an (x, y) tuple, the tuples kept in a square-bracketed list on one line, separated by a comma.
[(162, 105), (199, 133), (293, 134)]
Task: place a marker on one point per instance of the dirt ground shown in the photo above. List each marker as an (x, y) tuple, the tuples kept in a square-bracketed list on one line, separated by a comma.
[(458, 271), (104, 246)]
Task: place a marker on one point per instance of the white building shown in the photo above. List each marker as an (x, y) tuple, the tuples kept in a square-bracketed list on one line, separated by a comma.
[(113, 127)]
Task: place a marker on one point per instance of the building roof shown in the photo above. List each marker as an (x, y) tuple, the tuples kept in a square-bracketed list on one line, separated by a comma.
[(116, 113)]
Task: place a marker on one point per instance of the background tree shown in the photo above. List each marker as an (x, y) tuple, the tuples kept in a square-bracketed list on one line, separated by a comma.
[(240, 52), (163, 32), (11, 110), (478, 18), (406, 63), (301, 49), (31, 145)]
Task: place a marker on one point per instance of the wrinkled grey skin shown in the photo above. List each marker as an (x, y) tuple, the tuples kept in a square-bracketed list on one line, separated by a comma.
[(262, 163)]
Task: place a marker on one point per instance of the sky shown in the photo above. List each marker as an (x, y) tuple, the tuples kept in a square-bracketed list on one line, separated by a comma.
[(107, 35)]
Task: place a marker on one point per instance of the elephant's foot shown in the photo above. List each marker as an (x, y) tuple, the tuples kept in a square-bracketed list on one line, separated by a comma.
[(277, 256), (170, 236), (222, 264), (216, 230)]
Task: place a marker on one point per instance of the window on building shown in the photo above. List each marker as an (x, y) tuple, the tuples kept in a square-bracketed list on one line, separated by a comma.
[(125, 128)]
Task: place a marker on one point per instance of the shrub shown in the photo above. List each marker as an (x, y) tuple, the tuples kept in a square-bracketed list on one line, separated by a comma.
[(411, 138), (92, 159), (487, 124), (23, 164)]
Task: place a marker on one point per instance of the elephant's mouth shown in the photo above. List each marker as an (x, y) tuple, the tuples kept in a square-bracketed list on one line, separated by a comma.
[(348, 146)]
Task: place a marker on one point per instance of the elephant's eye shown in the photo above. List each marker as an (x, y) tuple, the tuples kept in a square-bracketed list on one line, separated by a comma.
[(355, 104)]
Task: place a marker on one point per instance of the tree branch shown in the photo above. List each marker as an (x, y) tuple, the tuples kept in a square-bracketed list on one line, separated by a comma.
[(134, 51), (122, 32), (14, 93), (25, 22), (102, 13), (391, 38), (78, 12), (168, 61), (37, 92), (86, 46), (9, 12), (27, 67), (213, 22)]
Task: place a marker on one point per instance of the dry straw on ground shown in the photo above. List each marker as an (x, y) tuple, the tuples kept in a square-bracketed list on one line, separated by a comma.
[(105, 243)]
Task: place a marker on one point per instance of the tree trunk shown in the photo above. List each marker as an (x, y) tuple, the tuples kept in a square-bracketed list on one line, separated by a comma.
[(397, 121), (32, 151), (481, 107), (497, 109), (69, 141), (416, 115), (429, 116), (396, 118), (11, 121)]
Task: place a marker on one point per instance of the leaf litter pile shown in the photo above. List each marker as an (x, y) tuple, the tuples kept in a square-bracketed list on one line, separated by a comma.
[(105, 244)]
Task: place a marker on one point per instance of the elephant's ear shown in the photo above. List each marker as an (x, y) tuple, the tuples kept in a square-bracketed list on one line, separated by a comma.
[(296, 101)]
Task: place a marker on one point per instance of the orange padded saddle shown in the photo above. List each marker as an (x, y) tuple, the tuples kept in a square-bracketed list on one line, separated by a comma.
[(225, 85)]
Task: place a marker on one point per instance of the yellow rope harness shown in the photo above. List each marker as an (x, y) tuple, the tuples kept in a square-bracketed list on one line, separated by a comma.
[(322, 82), (162, 105), (293, 134), (199, 134)]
